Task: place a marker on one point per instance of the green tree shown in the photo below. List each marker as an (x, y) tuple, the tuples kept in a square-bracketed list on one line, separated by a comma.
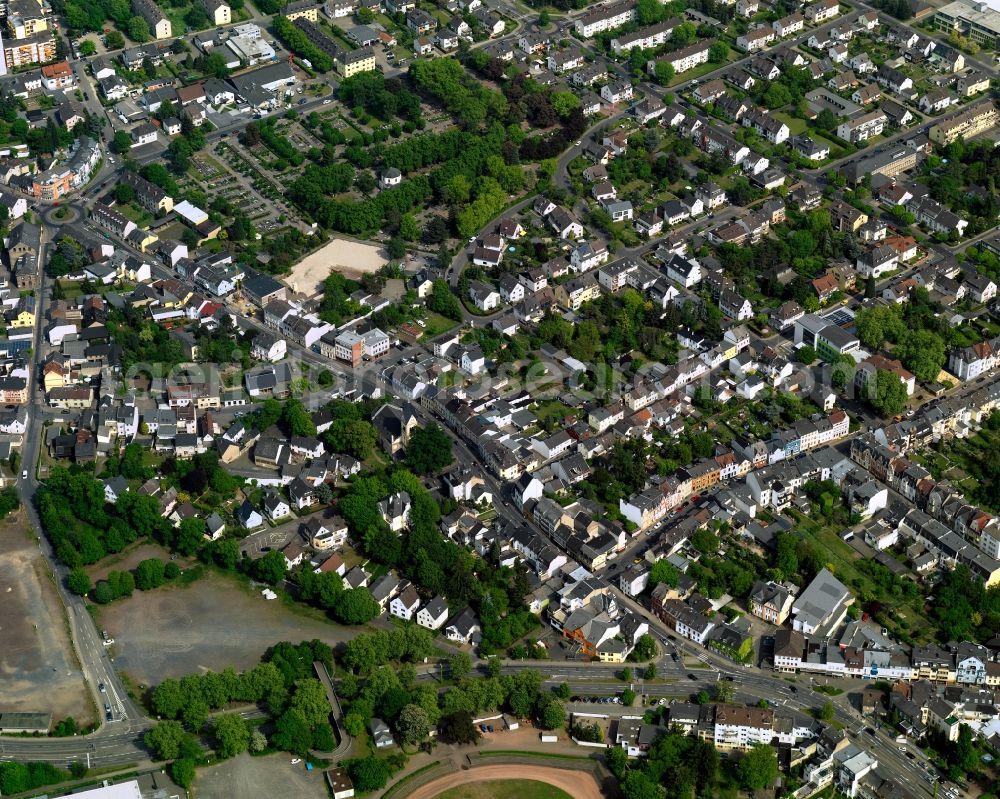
[(396, 248), (459, 665), (664, 571), (878, 324), (923, 353), (190, 535), (354, 437), (272, 568), (292, 733), (718, 53), (164, 740), (429, 450), (457, 728), (725, 690), (138, 30), (149, 574), (886, 393), (310, 699), (553, 715), (124, 193), (616, 760), (628, 697), (121, 142), (870, 287), (806, 355), (564, 103), (563, 691), (258, 741), (297, 419), (267, 414), (759, 768), (827, 712), (368, 774), (232, 734), (356, 606), (639, 785), (182, 772), (413, 725), (78, 581)]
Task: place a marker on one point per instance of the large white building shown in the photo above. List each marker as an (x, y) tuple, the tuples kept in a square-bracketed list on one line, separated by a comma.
[(606, 18)]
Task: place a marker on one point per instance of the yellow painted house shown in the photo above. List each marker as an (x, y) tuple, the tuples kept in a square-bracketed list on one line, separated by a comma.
[(23, 315)]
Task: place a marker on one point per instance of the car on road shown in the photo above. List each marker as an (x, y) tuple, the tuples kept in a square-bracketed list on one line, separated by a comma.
[(327, 102), (673, 657), (870, 730), (101, 688), (24, 474), (911, 756), (108, 716), (692, 677), (302, 101)]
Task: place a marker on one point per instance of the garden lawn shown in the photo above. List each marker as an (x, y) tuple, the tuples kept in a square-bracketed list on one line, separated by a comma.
[(795, 125)]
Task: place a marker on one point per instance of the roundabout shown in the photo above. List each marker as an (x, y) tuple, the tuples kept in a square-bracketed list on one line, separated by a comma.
[(474, 783), (61, 214)]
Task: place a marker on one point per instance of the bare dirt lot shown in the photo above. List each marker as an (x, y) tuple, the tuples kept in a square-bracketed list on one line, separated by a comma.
[(38, 670), (259, 778), (130, 558), (208, 625), (577, 784), (351, 258)]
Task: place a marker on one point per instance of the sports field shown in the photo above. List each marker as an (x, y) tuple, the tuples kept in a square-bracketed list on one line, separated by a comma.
[(494, 782), (505, 789)]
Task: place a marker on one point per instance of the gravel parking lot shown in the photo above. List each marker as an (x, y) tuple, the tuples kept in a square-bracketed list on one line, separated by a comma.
[(213, 623), (37, 669), (259, 778)]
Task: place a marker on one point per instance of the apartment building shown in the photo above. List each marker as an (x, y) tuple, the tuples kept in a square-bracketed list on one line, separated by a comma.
[(158, 23), (756, 39), (606, 18), (689, 57), (863, 127), (820, 12), (974, 120), (645, 38), (740, 728)]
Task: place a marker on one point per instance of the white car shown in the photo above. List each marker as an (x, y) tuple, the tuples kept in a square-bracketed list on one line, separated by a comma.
[(24, 475)]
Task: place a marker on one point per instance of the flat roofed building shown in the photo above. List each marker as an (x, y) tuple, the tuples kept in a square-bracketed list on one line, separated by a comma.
[(977, 21)]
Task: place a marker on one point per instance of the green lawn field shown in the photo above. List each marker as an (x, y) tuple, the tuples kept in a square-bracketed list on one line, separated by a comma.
[(505, 789)]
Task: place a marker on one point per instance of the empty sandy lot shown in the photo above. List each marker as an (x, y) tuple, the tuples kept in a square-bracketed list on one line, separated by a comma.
[(130, 558), (577, 784), (259, 778), (351, 258), (208, 625), (38, 671)]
